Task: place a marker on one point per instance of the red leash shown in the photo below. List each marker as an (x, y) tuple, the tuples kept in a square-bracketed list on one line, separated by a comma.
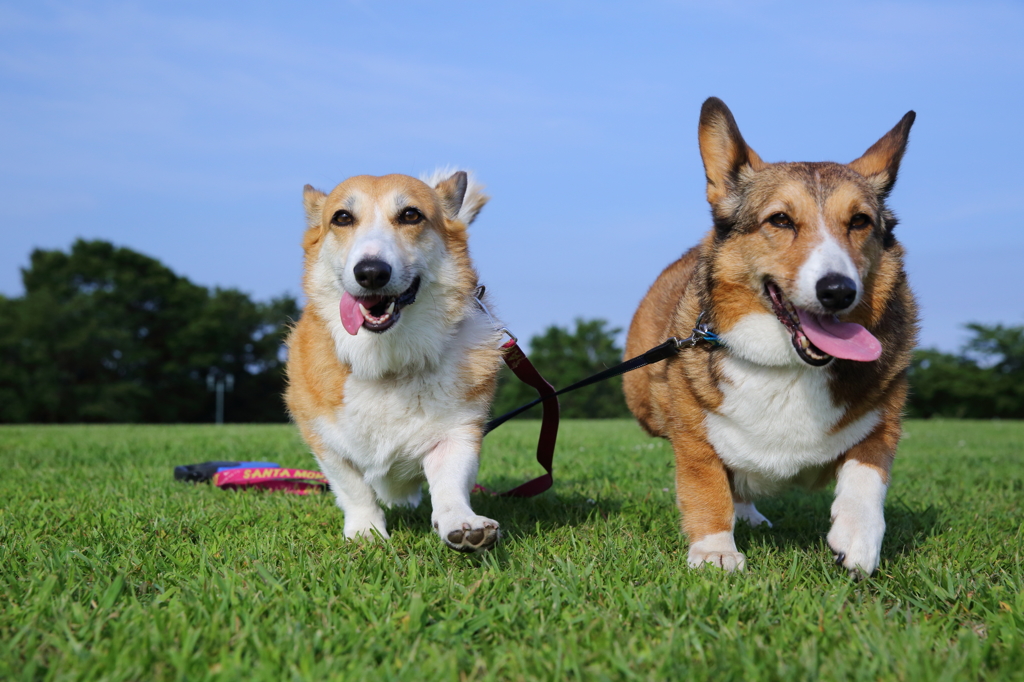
[(524, 370), (515, 359)]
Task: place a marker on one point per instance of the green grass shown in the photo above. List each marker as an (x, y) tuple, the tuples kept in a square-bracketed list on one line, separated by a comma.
[(111, 570)]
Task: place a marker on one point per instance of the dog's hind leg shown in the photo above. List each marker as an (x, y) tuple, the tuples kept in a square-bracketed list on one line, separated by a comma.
[(451, 469), (363, 515), (746, 511)]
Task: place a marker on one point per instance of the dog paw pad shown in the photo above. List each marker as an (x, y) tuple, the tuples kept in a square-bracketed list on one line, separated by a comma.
[(472, 536)]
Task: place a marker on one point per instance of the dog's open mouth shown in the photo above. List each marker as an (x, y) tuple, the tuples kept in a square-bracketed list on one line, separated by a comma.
[(375, 313), (819, 338), (790, 319)]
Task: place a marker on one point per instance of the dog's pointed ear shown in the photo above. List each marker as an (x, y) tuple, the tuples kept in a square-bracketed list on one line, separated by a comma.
[(881, 162), (461, 196), (726, 155), (453, 193), (313, 200)]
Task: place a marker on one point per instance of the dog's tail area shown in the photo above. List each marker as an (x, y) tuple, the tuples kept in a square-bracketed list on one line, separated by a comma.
[(475, 197)]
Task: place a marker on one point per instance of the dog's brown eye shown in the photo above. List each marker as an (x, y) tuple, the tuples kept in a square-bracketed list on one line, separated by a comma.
[(859, 221), (342, 218), (410, 216), (780, 220)]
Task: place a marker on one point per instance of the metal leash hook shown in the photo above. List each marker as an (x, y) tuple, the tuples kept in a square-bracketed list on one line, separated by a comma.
[(478, 297), (701, 332)]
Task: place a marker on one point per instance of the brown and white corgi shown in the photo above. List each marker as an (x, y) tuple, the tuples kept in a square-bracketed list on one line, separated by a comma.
[(393, 364), (803, 281)]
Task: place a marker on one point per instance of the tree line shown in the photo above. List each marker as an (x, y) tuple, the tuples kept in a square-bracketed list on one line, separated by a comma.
[(984, 380), (106, 334)]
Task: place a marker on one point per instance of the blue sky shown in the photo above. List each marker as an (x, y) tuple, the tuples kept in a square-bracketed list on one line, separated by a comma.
[(186, 130)]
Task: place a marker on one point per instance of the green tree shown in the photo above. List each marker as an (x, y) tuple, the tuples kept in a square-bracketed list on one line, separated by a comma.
[(947, 385), (106, 334), (985, 380), (564, 357)]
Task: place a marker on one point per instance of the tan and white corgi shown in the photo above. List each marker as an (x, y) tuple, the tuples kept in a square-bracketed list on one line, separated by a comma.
[(393, 364), (803, 281)]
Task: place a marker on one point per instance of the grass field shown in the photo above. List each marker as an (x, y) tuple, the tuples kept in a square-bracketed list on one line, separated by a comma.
[(110, 570)]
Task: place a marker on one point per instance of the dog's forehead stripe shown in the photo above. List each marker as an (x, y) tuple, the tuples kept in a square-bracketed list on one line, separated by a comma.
[(825, 186), (390, 192), (828, 178), (388, 201)]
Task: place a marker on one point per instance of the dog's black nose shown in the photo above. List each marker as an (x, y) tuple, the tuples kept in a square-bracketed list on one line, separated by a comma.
[(372, 274), (836, 292)]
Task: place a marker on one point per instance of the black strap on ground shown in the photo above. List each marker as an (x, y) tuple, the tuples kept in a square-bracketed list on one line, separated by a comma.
[(656, 354)]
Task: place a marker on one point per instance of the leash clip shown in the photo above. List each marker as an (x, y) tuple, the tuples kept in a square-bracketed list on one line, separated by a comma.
[(512, 337), (701, 332), (478, 296)]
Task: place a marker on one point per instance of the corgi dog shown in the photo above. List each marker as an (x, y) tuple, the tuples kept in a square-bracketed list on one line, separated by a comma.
[(802, 280), (393, 364)]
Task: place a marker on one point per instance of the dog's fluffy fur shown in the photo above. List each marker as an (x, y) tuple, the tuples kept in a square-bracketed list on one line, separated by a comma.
[(404, 398), (768, 411)]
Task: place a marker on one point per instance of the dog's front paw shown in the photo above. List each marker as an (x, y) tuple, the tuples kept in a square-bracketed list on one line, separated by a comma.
[(468, 534), (857, 544), (718, 550), (730, 561)]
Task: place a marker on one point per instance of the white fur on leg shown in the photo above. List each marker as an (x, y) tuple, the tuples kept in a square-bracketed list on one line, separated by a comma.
[(717, 549), (451, 469), (748, 512), (858, 520), (363, 515)]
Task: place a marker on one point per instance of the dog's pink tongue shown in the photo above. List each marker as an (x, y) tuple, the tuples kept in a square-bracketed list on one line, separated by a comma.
[(351, 316), (846, 340)]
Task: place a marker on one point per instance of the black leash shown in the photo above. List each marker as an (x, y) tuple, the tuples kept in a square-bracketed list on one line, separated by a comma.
[(668, 349)]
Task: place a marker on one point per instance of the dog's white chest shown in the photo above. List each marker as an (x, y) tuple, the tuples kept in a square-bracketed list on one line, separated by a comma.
[(386, 427), (776, 422), (388, 424)]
